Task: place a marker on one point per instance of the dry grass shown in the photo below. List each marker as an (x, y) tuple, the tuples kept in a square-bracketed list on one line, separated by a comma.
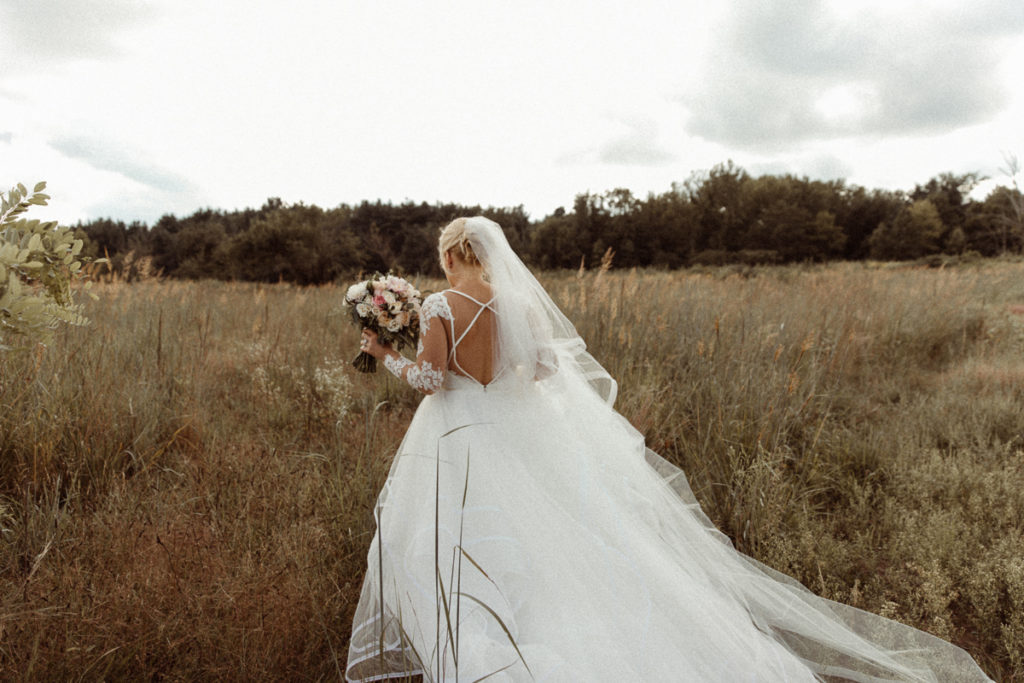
[(187, 485)]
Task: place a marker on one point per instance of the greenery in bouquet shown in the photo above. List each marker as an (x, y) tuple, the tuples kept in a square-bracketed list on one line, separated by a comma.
[(388, 305)]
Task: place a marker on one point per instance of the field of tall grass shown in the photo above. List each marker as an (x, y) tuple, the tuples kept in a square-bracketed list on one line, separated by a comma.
[(186, 486)]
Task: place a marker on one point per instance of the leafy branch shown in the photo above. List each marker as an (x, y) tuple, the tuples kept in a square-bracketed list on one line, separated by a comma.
[(39, 262)]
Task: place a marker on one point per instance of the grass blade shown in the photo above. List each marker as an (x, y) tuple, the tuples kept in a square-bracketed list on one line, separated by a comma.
[(462, 520), (504, 628), (448, 620), (495, 673)]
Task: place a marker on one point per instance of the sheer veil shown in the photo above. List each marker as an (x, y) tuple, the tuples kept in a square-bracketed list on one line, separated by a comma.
[(535, 339), (586, 547)]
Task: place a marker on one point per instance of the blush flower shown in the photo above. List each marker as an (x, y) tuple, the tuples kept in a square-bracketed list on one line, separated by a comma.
[(388, 305)]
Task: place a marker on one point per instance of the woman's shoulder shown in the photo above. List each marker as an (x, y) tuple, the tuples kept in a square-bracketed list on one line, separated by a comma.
[(436, 305), (437, 298)]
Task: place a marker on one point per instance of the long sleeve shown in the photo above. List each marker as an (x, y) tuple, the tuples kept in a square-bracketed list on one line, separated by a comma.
[(427, 373)]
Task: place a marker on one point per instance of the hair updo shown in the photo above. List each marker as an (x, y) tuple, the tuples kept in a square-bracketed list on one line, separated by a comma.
[(453, 238)]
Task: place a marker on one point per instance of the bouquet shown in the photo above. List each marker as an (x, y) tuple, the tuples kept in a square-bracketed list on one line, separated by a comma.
[(389, 306)]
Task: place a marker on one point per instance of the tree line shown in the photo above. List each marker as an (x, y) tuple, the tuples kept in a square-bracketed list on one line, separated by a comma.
[(720, 216)]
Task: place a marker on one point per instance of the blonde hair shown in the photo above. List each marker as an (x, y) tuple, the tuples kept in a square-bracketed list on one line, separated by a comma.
[(453, 238)]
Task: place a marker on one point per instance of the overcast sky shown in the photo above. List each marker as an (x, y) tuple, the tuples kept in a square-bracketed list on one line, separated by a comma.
[(136, 108)]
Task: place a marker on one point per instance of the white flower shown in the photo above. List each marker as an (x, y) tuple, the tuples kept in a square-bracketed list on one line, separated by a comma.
[(356, 292), (363, 310), (390, 297), (393, 325), (334, 388)]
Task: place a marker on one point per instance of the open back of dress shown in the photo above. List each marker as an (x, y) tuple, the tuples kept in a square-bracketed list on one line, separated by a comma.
[(472, 345)]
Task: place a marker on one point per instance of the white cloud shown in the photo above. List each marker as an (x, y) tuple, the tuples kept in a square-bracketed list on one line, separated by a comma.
[(788, 73), (638, 145), (39, 33), (161, 106), (110, 155)]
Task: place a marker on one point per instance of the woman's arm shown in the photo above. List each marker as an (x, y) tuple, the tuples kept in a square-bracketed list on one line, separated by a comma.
[(427, 373)]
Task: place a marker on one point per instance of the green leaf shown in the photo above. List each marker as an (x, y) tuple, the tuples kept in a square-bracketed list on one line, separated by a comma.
[(40, 186), (37, 267)]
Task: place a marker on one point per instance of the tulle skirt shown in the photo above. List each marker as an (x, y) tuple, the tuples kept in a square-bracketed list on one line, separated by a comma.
[(526, 533)]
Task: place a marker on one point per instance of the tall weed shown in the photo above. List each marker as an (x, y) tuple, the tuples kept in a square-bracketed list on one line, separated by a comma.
[(187, 485)]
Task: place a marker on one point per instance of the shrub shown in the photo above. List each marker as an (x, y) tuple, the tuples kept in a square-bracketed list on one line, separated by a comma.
[(38, 264)]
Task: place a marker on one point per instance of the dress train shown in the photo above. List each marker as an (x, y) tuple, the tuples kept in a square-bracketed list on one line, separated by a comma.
[(525, 532)]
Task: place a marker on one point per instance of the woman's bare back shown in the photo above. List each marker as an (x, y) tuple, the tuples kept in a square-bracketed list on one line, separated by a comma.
[(471, 349)]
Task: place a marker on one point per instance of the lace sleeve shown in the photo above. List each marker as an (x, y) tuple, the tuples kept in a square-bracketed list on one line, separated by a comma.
[(428, 372)]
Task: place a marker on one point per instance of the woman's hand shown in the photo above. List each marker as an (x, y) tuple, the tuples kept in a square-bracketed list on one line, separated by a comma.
[(371, 345)]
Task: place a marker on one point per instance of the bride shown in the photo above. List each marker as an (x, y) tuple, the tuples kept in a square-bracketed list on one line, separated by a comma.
[(525, 532)]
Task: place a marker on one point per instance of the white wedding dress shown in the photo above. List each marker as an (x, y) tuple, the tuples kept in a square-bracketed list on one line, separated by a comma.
[(526, 533)]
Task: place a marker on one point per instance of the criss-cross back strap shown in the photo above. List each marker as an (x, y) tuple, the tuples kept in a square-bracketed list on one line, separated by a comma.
[(483, 306)]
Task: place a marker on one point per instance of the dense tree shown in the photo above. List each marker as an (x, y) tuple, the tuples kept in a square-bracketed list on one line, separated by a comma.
[(723, 215), (794, 218), (860, 212), (996, 225), (555, 242), (1006, 207), (667, 227), (795, 234), (199, 249), (948, 193), (956, 241), (915, 232), (719, 201), (287, 245)]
